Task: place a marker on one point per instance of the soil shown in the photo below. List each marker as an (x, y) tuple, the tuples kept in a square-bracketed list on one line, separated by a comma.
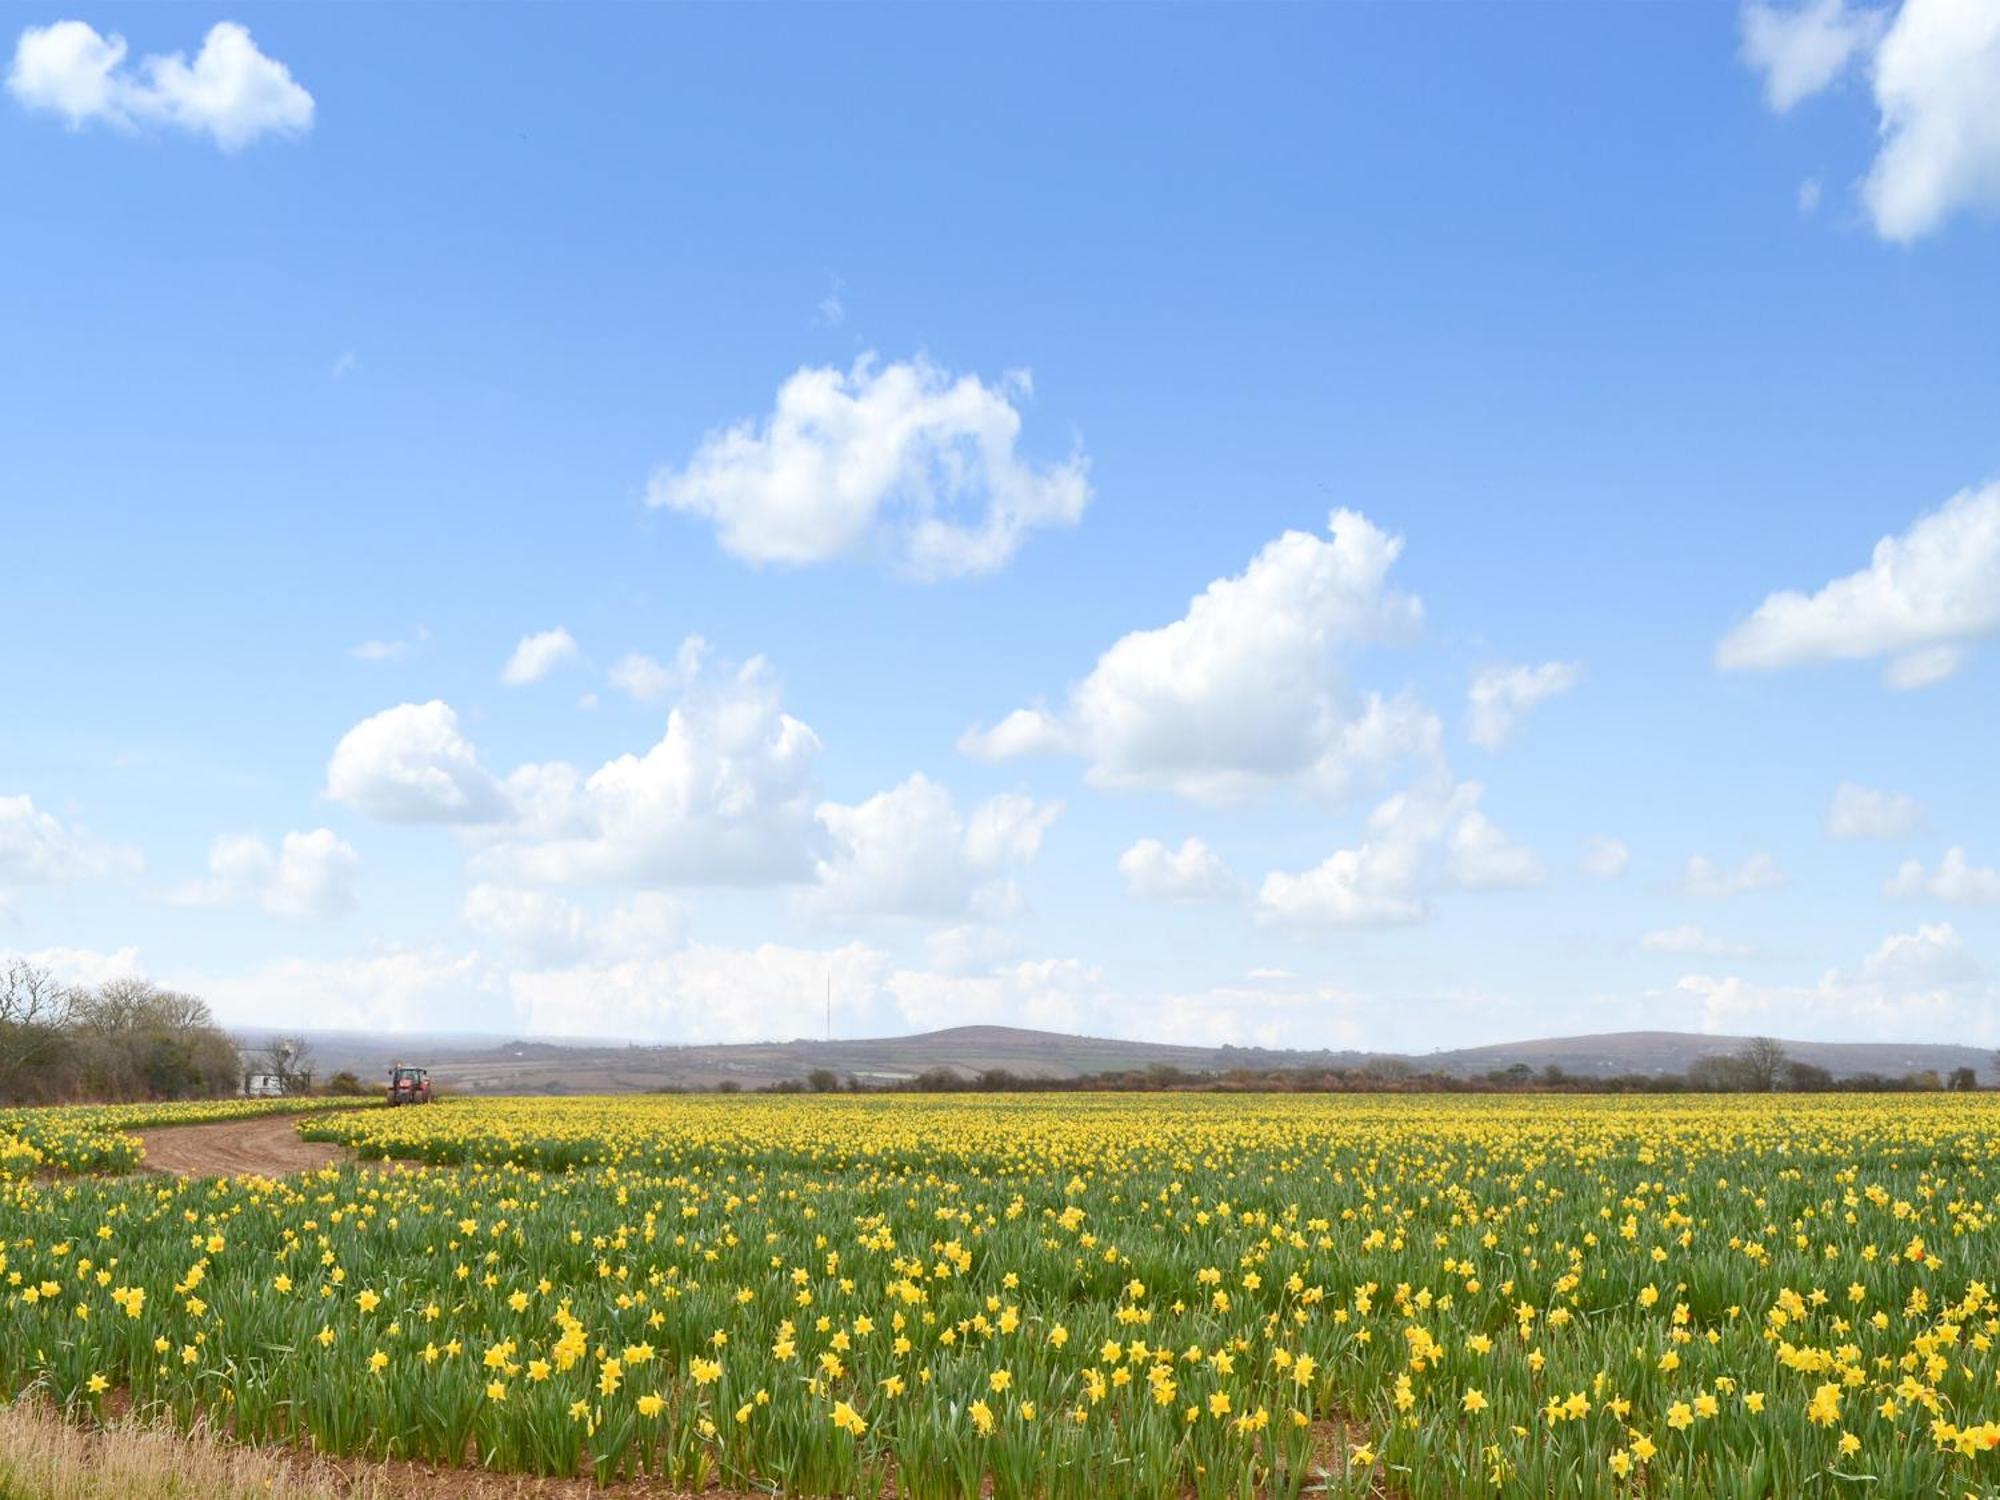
[(268, 1146)]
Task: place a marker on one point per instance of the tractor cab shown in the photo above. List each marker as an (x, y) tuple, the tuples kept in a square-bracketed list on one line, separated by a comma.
[(409, 1085)]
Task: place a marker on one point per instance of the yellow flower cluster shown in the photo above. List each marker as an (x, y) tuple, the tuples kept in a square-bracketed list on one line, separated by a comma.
[(1087, 1296)]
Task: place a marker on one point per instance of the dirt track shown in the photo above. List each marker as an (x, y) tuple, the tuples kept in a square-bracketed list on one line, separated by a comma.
[(268, 1145)]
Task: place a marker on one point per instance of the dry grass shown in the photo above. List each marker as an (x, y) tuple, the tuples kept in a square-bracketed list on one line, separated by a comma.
[(43, 1457)]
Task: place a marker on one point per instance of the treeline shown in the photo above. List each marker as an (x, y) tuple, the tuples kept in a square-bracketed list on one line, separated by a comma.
[(1760, 1066), (123, 1039)]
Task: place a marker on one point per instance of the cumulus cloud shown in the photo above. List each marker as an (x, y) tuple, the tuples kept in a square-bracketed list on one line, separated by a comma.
[(1192, 873), (1937, 89), (767, 993), (231, 92), (774, 992), (1915, 986), (968, 946), (1500, 697), (37, 848), (1860, 812), (542, 929), (308, 875), (410, 764), (1710, 881), (1956, 879), (85, 967), (1690, 937), (393, 991), (1025, 731), (1925, 596), (908, 851), (1479, 857), (1246, 691), (1935, 74), (387, 650), (1416, 841), (1803, 49), (538, 655), (725, 797), (901, 460), (1605, 858), (645, 680)]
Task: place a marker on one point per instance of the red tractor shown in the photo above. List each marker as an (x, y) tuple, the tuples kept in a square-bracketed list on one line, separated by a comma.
[(409, 1085)]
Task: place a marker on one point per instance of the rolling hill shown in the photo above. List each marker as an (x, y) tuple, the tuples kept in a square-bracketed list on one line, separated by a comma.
[(495, 1065)]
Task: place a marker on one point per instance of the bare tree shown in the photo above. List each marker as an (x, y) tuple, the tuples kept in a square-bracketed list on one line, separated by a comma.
[(35, 1014), (290, 1060), (1762, 1060), (138, 1040)]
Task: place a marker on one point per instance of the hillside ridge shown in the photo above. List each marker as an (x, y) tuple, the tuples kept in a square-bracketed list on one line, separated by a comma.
[(495, 1064)]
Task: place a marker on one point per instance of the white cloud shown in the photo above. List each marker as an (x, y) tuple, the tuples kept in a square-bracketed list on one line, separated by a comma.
[(1915, 986), (1690, 937), (231, 91), (1924, 667), (36, 848), (1935, 75), (80, 966), (908, 851), (310, 874), (1246, 692), (899, 459), (774, 992), (1194, 872), (831, 311), (1803, 49), (1923, 598), (543, 929), (1808, 196), (410, 764), (1025, 731), (381, 650), (1500, 697), (345, 365), (725, 797), (1606, 858), (767, 993), (1480, 857), (969, 946), (1937, 88), (1417, 841), (1273, 1010), (393, 991), (645, 680), (1860, 812), (539, 655), (1956, 879), (1053, 994), (1712, 882)]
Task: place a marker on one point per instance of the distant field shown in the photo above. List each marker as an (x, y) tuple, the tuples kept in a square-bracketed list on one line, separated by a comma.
[(1088, 1296), (497, 1065)]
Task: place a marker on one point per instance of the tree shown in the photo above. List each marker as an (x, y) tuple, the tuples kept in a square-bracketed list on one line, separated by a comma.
[(136, 1040), (35, 1015), (344, 1083), (1718, 1072), (1761, 1059), (1807, 1078), (1964, 1080), (290, 1060), (823, 1080)]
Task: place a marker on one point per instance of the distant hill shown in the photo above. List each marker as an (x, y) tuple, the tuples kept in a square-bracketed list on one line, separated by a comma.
[(1655, 1052), (546, 1065)]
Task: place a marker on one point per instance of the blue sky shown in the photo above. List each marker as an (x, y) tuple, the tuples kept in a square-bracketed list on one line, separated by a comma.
[(923, 365)]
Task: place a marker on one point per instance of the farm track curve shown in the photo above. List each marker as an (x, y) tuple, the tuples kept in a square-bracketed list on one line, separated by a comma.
[(268, 1146)]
